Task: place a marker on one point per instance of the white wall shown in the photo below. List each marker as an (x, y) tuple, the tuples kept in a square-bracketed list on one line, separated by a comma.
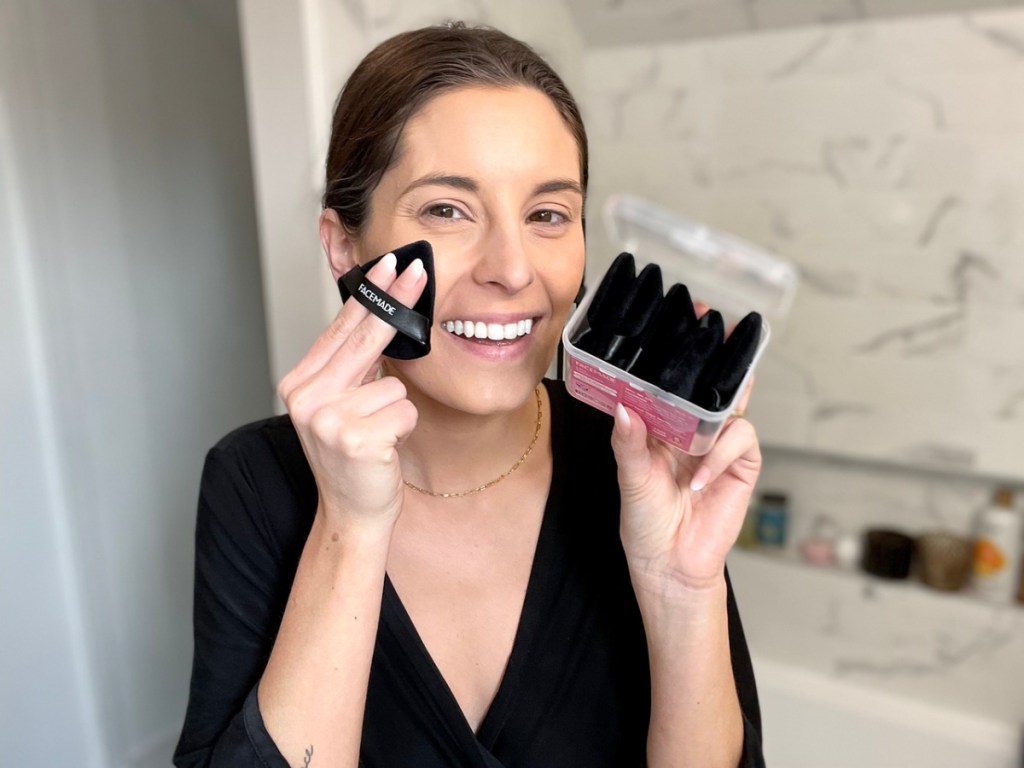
[(134, 337)]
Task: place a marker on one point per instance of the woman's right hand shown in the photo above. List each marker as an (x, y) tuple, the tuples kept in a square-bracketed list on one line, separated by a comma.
[(349, 421)]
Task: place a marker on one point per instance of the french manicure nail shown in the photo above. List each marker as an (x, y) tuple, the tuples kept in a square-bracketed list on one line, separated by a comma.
[(389, 262), (415, 269), (622, 417), (699, 479)]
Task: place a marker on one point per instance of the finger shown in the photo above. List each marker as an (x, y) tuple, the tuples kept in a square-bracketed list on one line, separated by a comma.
[(334, 335), (744, 400), (344, 410), (737, 442), (396, 421), (629, 444), (360, 353), (367, 438), (376, 395)]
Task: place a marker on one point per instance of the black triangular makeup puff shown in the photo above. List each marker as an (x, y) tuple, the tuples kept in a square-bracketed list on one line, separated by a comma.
[(673, 320), (413, 337), (688, 360), (622, 306), (641, 306), (723, 374), (607, 306)]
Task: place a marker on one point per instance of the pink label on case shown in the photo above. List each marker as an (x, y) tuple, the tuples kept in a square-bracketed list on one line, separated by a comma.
[(602, 390)]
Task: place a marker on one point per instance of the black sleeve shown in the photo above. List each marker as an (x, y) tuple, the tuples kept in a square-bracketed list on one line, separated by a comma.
[(746, 687), (240, 591)]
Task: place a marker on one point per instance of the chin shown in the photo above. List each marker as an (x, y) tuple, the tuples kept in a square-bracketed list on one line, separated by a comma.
[(477, 380), (469, 389)]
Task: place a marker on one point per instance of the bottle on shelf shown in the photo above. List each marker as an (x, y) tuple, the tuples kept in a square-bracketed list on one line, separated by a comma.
[(772, 520), (997, 549)]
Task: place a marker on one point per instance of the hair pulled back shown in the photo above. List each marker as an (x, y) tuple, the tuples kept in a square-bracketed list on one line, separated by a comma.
[(400, 76)]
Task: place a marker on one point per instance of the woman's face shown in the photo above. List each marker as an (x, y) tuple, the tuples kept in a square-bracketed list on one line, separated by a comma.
[(491, 178)]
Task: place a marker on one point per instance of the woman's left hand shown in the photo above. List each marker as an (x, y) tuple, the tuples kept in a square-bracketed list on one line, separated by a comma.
[(681, 514)]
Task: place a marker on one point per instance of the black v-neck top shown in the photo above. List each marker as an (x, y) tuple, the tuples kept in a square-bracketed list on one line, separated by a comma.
[(575, 691)]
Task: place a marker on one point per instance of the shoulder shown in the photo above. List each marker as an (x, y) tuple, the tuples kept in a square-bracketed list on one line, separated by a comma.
[(262, 453), (258, 440), (257, 485)]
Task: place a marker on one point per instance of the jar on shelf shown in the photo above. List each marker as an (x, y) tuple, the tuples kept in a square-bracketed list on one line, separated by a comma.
[(945, 559)]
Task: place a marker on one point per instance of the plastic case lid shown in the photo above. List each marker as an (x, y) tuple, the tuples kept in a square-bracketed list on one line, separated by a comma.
[(727, 273)]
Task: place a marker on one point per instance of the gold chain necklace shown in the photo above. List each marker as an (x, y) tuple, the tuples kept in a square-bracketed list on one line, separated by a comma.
[(495, 481)]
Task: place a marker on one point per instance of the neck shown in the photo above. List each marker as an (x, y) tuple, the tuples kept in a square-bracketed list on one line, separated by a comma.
[(451, 451)]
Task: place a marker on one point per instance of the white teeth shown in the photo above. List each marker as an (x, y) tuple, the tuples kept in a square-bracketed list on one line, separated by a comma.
[(492, 331)]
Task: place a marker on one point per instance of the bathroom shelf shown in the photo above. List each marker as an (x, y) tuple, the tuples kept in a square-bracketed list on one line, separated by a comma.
[(951, 471), (788, 559)]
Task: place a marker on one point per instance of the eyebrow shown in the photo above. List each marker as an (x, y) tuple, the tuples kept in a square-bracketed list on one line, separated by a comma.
[(443, 180), (470, 185), (559, 185)]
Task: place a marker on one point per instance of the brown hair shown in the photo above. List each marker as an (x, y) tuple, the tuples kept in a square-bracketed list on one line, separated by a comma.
[(401, 75)]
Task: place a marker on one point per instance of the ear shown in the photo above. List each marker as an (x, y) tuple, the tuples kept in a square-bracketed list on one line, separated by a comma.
[(339, 245)]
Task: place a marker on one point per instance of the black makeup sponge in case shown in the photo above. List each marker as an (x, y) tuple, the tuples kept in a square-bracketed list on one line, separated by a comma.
[(683, 368), (722, 375), (606, 306), (622, 308), (674, 319), (413, 324)]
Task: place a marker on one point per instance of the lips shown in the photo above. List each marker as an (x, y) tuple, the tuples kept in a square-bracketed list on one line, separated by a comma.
[(476, 329)]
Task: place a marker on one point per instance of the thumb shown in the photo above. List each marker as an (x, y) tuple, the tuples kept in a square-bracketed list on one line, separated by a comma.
[(629, 444)]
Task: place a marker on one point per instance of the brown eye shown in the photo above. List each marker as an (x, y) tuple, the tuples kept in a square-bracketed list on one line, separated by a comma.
[(548, 217), (443, 211)]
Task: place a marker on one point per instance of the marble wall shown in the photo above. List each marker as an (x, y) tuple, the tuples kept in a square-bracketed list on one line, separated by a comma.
[(845, 638), (884, 159)]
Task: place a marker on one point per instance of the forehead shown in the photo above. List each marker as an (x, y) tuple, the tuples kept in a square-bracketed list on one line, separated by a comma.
[(490, 130)]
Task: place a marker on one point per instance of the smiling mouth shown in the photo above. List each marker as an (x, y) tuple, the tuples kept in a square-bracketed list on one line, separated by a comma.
[(498, 332)]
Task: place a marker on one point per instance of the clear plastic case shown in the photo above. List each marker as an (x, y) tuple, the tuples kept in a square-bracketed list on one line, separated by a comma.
[(727, 273), (672, 419)]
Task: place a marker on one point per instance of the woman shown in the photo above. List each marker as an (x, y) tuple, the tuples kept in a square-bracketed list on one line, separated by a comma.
[(445, 561)]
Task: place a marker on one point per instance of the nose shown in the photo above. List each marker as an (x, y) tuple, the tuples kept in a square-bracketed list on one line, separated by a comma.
[(504, 259)]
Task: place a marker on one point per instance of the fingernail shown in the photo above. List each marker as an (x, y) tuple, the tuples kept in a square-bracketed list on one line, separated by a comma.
[(622, 419), (415, 269), (388, 263), (700, 479)]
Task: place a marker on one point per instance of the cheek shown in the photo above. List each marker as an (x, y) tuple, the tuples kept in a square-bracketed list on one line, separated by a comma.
[(565, 275)]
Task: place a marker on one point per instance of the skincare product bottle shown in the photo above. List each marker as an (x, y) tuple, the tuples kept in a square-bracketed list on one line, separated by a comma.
[(848, 550), (819, 546), (997, 549), (772, 514)]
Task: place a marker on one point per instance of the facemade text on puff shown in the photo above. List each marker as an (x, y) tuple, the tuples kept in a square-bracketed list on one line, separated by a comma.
[(387, 307)]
